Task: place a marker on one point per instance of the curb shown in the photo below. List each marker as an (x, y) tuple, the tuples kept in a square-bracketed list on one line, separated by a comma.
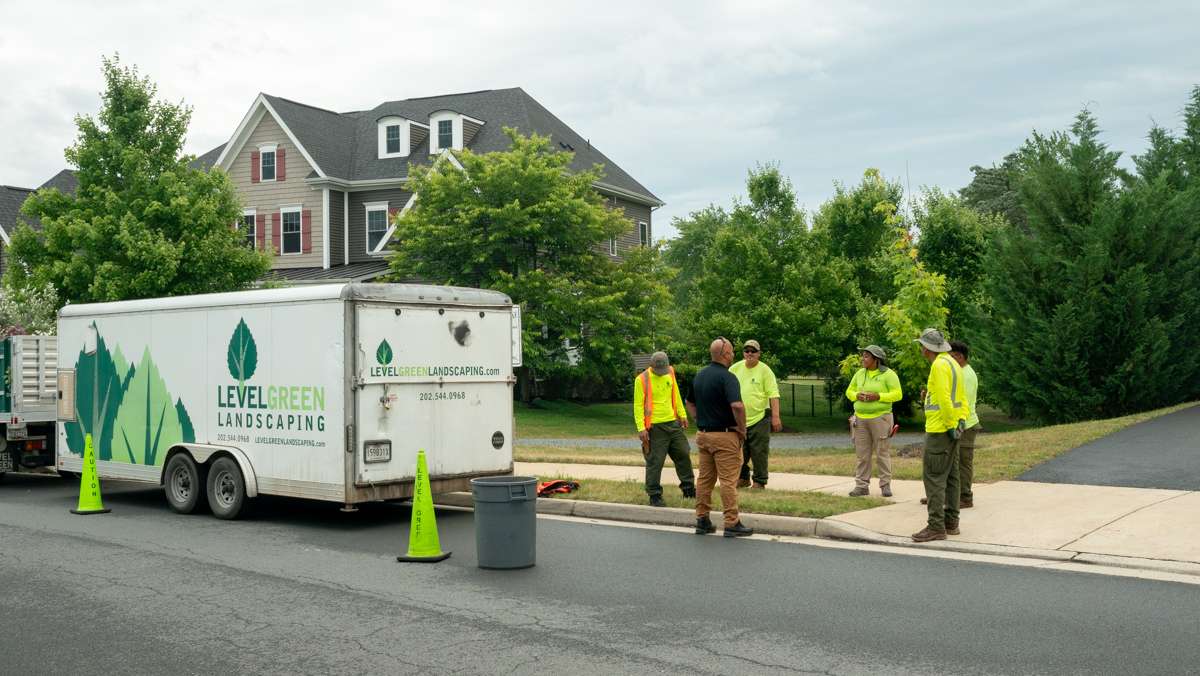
[(829, 528)]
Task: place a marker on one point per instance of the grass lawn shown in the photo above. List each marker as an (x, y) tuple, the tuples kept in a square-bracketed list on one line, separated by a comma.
[(786, 503), (567, 419), (998, 455)]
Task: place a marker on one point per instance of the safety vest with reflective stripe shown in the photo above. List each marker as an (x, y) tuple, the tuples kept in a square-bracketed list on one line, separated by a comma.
[(945, 396), (647, 399)]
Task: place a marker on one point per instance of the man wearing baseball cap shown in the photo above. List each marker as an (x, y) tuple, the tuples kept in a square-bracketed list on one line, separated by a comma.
[(661, 419), (760, 389), (946, 411)]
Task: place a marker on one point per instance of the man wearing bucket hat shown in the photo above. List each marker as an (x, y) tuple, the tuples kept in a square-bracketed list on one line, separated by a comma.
[(760, 390), (873, 389), (661, 419), (946, 411)]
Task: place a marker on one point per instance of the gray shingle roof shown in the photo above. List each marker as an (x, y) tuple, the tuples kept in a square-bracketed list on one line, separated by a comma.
[(65, 180), (11, 200), (344, 145), (208, 159), (354, 272)]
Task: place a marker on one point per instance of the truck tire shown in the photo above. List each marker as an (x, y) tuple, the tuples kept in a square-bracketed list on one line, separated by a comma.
[(226, 489), (182, 484)]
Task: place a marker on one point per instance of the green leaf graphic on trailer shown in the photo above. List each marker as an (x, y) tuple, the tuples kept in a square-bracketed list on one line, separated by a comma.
[(98, 395), (384, 353), (243, 354), (185, 422), (147, 423)]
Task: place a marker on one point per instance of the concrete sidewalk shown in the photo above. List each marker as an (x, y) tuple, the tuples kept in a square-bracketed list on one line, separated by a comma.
[(1116, 526)]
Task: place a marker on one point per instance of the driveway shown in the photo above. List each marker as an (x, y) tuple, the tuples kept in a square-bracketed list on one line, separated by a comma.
[(1159, 453)]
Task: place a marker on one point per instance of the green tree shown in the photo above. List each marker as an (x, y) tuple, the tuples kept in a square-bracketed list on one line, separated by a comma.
[(1095, 303), (993, 190), (855, 226), (29, 310), (765, 276), (519, 222), (142, 223), (953, 241), (686, 252)]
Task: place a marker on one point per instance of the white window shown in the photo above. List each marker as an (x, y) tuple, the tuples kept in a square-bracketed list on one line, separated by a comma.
[(644, 232), (266, 163), (612, 246), (445, 134), (377, 225), (290, 232), (393, 137), (445, 131), (250, 226)]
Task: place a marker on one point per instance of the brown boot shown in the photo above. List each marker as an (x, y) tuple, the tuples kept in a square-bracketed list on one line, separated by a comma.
[(952, 528), (927, 534), (965, 503), (742, 483)]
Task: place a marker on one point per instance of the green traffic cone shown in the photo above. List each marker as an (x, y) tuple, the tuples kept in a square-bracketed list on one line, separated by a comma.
[(423, 544), (89, 483)]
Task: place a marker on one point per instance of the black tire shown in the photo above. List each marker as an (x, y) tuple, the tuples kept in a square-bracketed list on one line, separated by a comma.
[(226, 489), (182, 484)]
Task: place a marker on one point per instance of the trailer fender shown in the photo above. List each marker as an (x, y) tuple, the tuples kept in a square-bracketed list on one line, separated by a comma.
[(202, 453)]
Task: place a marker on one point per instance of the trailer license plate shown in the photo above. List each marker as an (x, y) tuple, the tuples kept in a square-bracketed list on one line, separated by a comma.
[(377, 451)]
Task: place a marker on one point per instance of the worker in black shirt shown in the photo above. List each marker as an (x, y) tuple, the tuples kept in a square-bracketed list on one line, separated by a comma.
[(716, 404)]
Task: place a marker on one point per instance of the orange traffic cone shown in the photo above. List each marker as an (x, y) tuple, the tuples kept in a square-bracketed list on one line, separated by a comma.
[(89, 483), (423, 544)]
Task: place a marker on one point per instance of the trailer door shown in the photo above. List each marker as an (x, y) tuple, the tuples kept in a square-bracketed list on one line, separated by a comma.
[(436, 379)]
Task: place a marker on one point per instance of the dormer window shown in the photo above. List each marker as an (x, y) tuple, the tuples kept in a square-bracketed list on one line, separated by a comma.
[(392, 132), (393, 137), (445, 134)]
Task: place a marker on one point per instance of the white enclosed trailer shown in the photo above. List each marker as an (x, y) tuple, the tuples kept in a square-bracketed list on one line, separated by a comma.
[(322, 392)]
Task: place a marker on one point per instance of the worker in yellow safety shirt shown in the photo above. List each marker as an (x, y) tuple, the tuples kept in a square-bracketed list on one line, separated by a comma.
[(946, 412), (661, 419)]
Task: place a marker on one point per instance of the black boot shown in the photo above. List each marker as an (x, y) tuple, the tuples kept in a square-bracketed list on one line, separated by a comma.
[(689, 492), (704, 526), (737, 530)]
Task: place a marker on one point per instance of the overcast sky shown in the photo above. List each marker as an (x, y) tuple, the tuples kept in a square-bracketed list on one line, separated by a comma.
[(685, 96)]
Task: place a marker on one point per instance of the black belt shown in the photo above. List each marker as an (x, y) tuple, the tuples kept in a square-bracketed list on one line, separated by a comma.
[(718, 429)]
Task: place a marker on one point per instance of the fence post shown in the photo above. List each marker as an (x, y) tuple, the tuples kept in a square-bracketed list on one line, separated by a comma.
[(812, 401)]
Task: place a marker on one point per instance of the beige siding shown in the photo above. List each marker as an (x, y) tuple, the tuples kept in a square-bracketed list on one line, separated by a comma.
[(267, 197), (396, 199)]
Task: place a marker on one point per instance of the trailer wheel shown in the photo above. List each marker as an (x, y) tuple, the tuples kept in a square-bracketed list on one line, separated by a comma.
[(226, 489), (183, 485)]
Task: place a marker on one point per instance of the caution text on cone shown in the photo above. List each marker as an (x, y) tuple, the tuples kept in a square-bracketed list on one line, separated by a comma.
[(423, 544), (89, 483)]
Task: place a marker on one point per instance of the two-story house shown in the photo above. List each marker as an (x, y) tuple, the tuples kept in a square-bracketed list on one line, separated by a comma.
[(319, 188)]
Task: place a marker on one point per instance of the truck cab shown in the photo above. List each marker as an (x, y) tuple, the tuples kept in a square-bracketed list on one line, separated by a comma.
[(28, 402)]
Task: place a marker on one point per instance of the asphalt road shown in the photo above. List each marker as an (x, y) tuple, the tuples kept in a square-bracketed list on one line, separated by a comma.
[(302, 588), (1159, 453)]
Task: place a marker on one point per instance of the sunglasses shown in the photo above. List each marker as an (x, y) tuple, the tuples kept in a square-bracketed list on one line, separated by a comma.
[(750, 350)]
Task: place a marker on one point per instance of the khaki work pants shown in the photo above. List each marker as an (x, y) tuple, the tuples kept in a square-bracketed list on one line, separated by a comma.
[(871, 440), (720, 457)]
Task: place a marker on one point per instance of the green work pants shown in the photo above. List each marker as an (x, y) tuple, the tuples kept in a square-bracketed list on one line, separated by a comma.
[(756, 449), (939, 470), (668, 439), (966, 463)]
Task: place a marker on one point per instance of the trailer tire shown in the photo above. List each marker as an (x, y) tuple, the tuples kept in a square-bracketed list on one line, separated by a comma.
[(182, 484), (226, 489)]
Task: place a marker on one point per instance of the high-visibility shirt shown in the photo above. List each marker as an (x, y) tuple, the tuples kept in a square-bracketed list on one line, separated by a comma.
[(945, 395), (759, 387), (665, 402), (972, 384), (882, 381)]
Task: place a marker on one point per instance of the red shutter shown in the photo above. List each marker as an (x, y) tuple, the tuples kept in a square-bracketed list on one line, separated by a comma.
[(306, 231), (254, 166), (260, 234), (276, 231), (280, 164)]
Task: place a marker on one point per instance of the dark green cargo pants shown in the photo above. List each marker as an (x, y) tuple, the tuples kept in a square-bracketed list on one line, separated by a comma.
[(939, 470), (756, 449), (668, 439), (966, 463)]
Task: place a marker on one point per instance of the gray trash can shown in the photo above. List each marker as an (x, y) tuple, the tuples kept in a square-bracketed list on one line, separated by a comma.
[(505, 521)]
